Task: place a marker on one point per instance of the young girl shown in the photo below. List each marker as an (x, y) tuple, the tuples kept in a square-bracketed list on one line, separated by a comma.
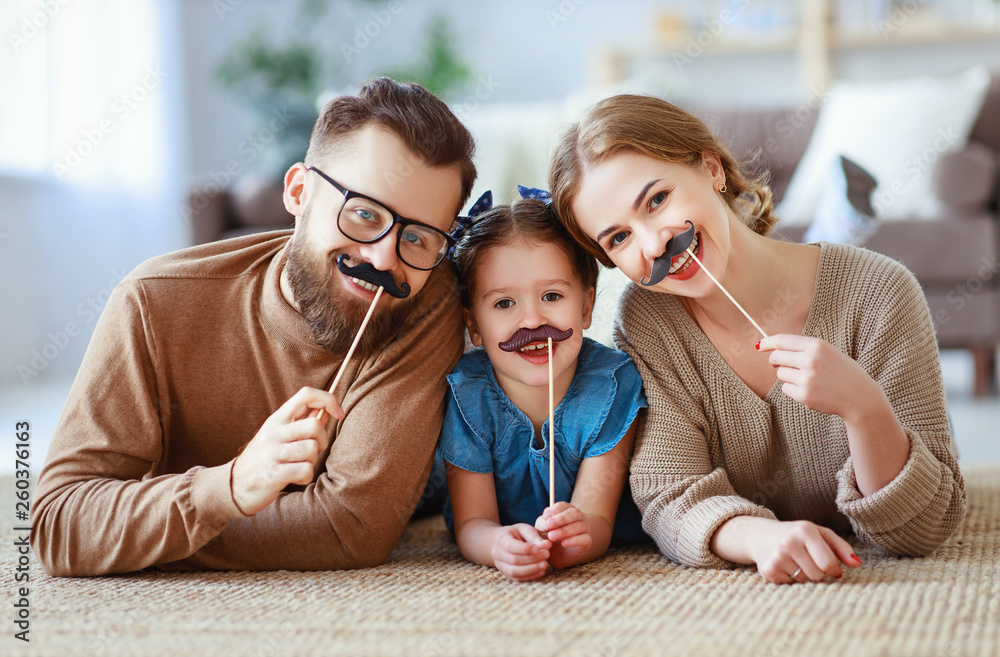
[(526, 280), (758, 452)]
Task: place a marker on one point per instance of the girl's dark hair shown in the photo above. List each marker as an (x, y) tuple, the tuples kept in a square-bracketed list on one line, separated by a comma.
[(529, 219)]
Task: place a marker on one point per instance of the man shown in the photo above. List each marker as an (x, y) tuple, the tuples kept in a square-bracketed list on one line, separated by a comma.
[(170, 451)]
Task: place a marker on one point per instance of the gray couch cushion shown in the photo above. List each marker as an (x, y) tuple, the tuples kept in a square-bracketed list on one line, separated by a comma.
[(966, 178), (939, 253), (779, 137)]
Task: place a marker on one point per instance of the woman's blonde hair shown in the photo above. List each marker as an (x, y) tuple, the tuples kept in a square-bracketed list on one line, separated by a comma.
[(653, 127)]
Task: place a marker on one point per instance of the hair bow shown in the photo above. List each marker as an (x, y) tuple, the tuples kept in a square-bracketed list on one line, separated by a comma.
[(484, 203), (532, 192)]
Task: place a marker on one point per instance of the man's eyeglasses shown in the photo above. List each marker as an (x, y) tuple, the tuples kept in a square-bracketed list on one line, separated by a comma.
[(365, 220)]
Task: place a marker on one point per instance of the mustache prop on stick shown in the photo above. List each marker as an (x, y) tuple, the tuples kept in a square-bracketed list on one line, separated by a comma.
[(365, 272), (675, 246), (552, 431), (678, 245), (525, 336)]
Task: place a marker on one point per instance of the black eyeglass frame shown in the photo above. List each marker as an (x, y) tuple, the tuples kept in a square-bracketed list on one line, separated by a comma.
[(396, 219)]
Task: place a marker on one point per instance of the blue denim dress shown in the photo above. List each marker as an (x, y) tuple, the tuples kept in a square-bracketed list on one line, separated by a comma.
[(485, 432)]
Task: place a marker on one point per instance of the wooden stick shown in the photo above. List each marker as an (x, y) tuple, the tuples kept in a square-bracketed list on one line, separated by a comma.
[(354, 345), (552, 435), (726, 292)]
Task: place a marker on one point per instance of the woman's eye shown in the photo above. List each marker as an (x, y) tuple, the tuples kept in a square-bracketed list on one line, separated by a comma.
[(551, 296), (616, 240), (503, 304), (657, 200)]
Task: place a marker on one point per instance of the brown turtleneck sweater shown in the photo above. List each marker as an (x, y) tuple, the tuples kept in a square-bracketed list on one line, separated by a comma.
[(193, 352)]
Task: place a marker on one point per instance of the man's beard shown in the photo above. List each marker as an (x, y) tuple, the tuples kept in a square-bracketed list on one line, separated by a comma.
[(334, 315)]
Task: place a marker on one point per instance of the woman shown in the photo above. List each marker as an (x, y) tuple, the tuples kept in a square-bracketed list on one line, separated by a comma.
[(758, 453)]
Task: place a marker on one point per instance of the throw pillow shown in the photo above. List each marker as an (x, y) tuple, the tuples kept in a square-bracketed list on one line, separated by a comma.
[(845, 213), (896, 130)]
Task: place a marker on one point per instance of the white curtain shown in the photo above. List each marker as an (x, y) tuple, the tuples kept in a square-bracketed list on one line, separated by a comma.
[(91, 153)]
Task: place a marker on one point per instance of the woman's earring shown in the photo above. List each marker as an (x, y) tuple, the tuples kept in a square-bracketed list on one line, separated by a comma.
[(722, 188)]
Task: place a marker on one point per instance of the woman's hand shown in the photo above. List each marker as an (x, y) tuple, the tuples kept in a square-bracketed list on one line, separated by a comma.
[(800, 551), (821, 377), (569, 531), (520, 552), (785, 552), (817, 375)]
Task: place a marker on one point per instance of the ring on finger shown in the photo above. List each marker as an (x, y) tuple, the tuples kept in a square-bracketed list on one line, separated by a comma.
[(796, 574)]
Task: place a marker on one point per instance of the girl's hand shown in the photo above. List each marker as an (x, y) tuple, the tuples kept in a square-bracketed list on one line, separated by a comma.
[(821, 377), (568, 529), (520, 552), (800, 551)]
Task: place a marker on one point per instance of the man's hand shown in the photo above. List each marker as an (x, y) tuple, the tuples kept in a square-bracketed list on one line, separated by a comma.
[(286, 450)]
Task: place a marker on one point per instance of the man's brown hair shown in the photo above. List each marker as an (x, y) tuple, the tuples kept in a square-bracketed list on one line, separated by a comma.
[(422, 121)]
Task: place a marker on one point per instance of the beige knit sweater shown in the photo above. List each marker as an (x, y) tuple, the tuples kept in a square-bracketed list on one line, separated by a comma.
[(709, 448), (193, 352)]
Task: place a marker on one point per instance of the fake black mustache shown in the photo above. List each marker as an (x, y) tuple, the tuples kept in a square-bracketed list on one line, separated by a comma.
[(525, 336), (366, 272), (675, 246)]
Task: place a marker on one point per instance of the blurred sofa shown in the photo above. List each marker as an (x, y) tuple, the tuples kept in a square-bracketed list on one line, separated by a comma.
[(252, 207), (954, 255)]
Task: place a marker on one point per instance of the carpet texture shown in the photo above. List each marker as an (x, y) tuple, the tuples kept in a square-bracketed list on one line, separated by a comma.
[(428, 601)]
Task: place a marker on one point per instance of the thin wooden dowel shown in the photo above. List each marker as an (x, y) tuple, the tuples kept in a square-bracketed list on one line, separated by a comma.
[(726, 292), (354, 345), (552, 434)]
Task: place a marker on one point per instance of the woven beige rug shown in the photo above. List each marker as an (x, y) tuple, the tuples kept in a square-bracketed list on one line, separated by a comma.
[(428, 601)]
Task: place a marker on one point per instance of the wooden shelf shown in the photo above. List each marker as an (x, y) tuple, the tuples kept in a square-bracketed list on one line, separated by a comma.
[(814, 44)]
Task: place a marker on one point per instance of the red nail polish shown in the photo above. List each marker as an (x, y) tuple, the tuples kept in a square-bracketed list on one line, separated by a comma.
[(857, 559), (757, 346)]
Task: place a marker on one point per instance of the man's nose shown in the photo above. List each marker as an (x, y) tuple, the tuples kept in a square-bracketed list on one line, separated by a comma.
[(382, 254)]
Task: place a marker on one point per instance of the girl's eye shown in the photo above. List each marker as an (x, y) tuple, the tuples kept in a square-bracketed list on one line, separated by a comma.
[(551, 296), (503, 304), (616, 240), (657, 200)]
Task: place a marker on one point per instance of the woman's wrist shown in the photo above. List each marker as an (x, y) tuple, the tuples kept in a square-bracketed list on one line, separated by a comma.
[(738, 539)]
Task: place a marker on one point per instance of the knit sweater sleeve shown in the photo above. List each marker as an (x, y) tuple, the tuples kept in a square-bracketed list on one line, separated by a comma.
[(923, 505), (682, 497), (96, 510)]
